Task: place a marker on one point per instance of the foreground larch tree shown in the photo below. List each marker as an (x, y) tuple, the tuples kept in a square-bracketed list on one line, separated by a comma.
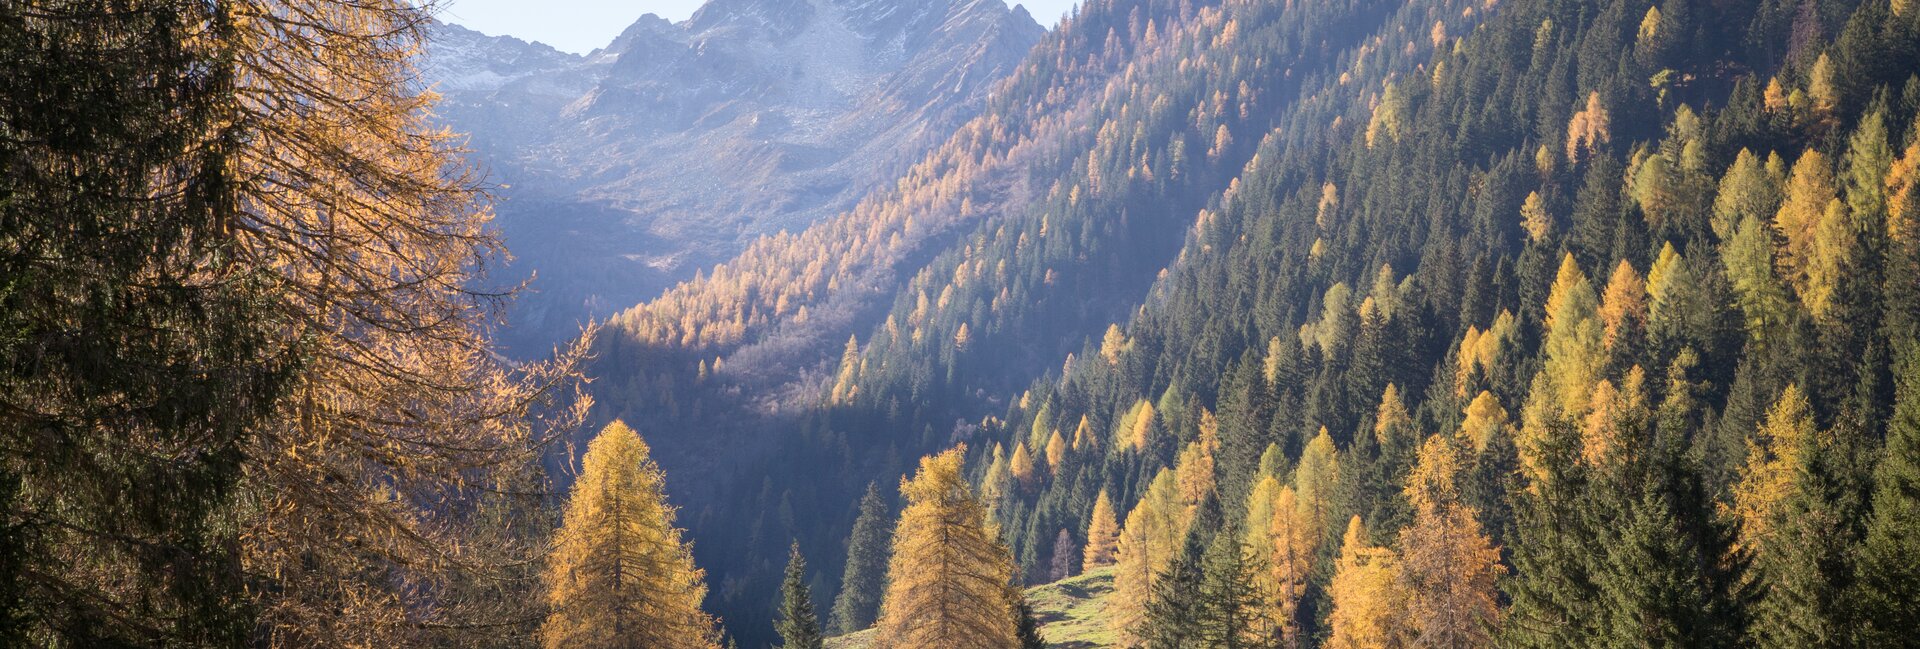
[(865, 577), (275, 409), (949, 577), (620, 575), (372, 234), (799, 625)]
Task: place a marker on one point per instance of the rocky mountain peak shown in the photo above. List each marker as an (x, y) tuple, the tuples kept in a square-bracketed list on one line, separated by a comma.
[(679, 142)]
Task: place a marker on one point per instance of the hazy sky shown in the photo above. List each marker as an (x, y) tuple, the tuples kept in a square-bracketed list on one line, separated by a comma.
[(581, 25)]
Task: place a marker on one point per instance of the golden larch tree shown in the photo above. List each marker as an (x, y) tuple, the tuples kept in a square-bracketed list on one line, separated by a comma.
[(1484, 419), (1589, 129), (1316, 483), (1777, 454), (1746, 190), (1024, 469), (1815, 232), (1369, 603), (1149, 543), (1292, 536), (1083, 438), (359, 212), (1623, 305), (948, 580), (620, 575), (1103, 535), (1575, 353), (1448, 567), (1056, 451)]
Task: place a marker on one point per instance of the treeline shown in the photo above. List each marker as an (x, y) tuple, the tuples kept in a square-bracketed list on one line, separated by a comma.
[(247, 391)]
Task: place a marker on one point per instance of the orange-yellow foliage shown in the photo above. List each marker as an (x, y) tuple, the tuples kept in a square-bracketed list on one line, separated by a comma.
[(620, 574), (1369, 603), (947, 582), (1448, 567), (1148, 544), (1103, 535), (1777, 454)]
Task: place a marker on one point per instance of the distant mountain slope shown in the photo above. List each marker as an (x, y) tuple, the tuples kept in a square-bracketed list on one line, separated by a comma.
[(626, 170)]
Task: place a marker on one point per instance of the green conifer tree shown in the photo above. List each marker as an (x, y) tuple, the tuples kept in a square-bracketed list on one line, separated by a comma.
[(799, 625), (864, 581), (1888, 575)]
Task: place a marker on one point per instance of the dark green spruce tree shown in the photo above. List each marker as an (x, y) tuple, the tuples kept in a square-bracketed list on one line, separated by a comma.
[(135, 350), (1668, 575), (1230, 602), (1555, 599), (1025, 623), (799, 626), (865, 579), (1175, 612), (1888, 573)]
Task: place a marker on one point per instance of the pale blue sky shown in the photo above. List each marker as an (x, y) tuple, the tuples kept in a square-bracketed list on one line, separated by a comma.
[(581, 25)]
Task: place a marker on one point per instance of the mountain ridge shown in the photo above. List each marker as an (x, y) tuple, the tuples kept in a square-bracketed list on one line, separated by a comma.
[(626, 169)]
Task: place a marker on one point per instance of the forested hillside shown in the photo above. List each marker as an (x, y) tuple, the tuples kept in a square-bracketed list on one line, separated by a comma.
[(1061, 202), (1588, 312), (1223, 324)]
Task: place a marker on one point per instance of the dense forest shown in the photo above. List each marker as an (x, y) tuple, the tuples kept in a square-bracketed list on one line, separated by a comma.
[(1594, 314), (1435, 323)]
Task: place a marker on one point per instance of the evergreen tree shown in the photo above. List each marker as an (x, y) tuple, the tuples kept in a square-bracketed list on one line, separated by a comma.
[(1027, 625), (1667, 575), (1231, 605), (949, 575), (1790, 525), (1888, 578), (1175, 614), (620, 575), (140, 349), (865, 579), (1554, 597), (799, 626)]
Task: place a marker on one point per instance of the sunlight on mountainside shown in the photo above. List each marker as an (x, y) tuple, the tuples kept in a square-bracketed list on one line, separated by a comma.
[(914, 324)]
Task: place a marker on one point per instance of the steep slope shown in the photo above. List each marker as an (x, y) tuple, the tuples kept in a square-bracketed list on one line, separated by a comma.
[(1576, 198), (1037, 225), (1381, 234), (628, 169)]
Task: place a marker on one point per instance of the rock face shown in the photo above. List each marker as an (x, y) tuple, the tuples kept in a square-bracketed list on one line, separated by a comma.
[(628, 169)]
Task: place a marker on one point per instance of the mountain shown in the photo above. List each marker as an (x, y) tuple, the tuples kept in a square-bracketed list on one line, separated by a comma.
[(1037, 225), (627, 170), (1587, 243)]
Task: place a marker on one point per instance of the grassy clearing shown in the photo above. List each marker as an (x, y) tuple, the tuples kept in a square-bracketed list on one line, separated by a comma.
[(1069, 611)]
